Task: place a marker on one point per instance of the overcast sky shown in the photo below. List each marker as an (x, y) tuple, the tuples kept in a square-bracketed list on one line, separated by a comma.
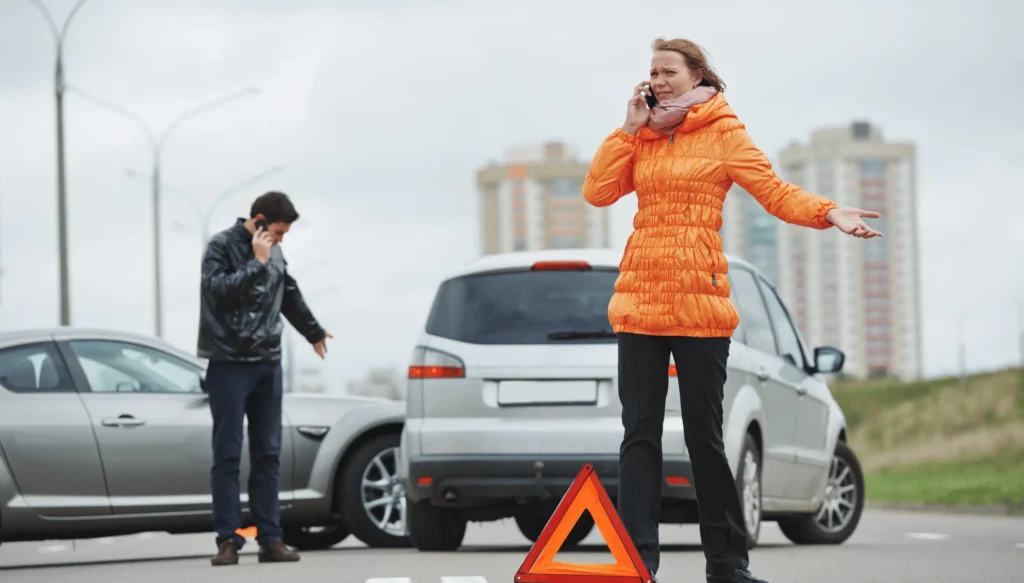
[(383, 111)]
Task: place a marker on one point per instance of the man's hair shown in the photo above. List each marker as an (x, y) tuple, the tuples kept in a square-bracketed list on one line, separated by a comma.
[(276, 207)]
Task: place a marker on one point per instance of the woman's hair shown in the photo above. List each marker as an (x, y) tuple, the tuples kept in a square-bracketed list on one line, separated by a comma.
[(696, 60)]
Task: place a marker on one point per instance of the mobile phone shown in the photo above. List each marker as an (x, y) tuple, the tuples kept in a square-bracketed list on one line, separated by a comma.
[(650, 98), (261, 224)]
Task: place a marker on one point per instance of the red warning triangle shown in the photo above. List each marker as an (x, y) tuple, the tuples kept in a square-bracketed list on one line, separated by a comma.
[(585, 493)]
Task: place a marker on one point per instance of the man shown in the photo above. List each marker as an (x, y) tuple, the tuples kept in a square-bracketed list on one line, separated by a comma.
[(245, 290)]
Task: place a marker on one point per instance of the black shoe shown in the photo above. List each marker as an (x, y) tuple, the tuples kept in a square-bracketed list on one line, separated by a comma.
[(277, 553), (227, 554), (736, 576)]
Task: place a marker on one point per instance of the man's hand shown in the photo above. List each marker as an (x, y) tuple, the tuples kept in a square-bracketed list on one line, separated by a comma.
[(262, 241), (321, 346)]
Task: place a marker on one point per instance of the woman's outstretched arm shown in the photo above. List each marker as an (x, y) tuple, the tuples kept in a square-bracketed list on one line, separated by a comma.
[(750, 168)]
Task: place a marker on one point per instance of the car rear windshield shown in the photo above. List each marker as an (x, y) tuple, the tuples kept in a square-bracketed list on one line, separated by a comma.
[(525, 307)]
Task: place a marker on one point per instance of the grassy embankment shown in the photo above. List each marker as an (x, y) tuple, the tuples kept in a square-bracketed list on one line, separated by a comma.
[(933, 442)]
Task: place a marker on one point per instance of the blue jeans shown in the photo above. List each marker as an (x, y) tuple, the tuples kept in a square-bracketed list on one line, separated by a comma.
[(237, 391)]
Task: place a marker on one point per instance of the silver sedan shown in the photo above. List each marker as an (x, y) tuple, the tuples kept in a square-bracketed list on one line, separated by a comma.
[(105, 433)]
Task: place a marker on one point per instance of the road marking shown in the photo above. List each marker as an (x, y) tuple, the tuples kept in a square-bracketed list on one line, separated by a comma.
[(47, 549), (145, 535), (104, 541), (445, 579), (927, 535), (1020, 545)]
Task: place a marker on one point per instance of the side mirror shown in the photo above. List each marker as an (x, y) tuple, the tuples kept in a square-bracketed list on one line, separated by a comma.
[(828, 360)]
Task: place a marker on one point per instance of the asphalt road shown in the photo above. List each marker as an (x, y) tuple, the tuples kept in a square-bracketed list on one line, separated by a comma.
[(892, 546)]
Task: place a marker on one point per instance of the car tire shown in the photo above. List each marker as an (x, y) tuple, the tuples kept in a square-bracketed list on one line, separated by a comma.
[(748, 486), (353, 499), (532, 523), (305, 539), (845, 488), (434, 529)]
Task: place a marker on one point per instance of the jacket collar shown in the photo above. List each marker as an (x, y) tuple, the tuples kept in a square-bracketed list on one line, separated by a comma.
[(239, 229)]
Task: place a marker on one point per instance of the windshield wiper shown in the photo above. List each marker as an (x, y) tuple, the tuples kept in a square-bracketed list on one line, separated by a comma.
[(579, 334)]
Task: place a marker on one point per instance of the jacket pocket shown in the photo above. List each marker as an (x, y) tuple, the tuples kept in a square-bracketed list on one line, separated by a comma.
[(709, 256)]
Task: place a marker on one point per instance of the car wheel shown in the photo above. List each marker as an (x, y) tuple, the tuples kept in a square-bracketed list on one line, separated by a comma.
[(315, 538), (372, 497), (435, 529), (532, 523), (748, 483), (840, 511)]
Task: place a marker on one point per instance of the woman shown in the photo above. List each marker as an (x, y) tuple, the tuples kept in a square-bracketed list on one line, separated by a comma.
[(672, 293)]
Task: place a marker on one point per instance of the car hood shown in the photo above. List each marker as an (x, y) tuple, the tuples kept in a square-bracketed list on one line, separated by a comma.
[(326, 410)]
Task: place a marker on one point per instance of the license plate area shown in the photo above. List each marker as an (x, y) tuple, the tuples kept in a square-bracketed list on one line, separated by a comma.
[(546, 393)]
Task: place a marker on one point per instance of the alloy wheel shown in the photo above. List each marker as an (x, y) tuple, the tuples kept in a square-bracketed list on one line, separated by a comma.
[(751, 492), (840, 497), (383, 495)]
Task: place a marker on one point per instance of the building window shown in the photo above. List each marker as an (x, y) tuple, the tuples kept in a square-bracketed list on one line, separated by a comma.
[(563, 188)]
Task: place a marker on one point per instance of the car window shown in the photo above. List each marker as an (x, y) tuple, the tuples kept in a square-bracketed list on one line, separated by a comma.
[(525, 307), (757, 326), (121, 367), (788, 342), (34, 368)]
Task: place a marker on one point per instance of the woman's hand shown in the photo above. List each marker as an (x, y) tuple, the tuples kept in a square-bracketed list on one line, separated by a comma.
[(637, 113), (848, 220)]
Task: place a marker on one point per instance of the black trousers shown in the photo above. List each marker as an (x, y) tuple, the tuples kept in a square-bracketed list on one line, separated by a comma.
[(643, 388), (238, 391)]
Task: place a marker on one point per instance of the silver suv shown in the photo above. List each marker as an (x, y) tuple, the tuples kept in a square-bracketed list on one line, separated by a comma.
[(512, 389)]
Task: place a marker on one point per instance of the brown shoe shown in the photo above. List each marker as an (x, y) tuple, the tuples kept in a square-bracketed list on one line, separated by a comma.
[(277, 553), (227, 554)]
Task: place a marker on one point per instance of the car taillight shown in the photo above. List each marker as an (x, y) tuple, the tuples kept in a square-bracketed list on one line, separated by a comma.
[(428, 363), (561, 266), (671, 370)]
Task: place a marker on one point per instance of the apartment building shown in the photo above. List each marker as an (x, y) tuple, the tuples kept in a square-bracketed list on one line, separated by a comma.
[(748, 231), (861, 296), (534, 200)]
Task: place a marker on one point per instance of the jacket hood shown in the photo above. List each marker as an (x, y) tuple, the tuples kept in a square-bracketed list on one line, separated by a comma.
[(699, 116)]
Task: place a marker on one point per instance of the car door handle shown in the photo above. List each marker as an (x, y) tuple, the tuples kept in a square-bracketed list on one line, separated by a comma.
[(801, 390), (122, 421), (763, 375)]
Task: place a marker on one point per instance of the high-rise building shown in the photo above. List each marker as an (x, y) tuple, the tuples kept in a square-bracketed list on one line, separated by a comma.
[(861, 296), (534, 200), (748, 231)]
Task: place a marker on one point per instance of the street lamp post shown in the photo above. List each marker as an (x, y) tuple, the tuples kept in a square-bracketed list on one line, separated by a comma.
[(59, 34), (205, 214), (156, 144)]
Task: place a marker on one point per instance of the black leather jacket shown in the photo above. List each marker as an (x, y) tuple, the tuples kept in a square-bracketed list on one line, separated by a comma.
[(242, 302)]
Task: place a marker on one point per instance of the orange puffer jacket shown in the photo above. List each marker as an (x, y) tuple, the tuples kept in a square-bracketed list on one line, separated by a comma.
[(672, 278)]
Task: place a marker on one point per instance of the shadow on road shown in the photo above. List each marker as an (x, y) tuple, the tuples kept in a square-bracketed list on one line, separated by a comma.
[(149, 559), (595, 548)]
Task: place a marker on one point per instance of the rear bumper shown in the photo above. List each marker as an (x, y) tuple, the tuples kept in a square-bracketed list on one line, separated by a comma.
[(463, 481)]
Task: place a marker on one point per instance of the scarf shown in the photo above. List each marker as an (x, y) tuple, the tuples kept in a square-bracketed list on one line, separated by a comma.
[(669, 115)]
